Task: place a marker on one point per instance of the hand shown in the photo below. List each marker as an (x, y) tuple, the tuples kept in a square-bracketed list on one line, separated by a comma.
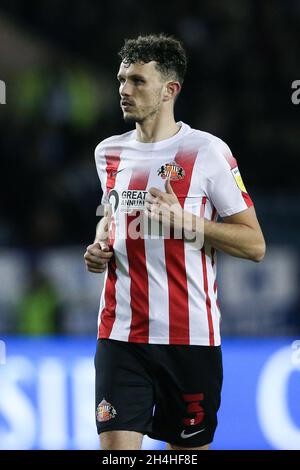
[(97, 257), (164, 207)]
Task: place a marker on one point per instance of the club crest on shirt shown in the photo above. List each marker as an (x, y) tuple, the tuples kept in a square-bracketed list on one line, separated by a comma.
[(105, 411), (171, 170)]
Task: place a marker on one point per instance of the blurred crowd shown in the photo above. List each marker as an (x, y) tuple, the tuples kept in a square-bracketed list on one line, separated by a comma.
[(242, 61)]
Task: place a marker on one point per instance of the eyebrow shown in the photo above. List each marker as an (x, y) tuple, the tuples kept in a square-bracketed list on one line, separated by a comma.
[(135, 75)]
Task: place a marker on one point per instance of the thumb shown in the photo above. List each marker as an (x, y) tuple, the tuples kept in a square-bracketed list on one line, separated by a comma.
[(104, 245), (168, 187)]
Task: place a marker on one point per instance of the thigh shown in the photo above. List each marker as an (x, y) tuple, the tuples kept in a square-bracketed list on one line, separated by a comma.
[(124, 391), (188, 393)]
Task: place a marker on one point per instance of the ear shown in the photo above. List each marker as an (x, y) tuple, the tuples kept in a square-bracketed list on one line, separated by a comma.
[(171, 90)]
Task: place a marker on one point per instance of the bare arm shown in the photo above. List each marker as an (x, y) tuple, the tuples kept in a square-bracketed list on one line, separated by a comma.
[(239, 235)]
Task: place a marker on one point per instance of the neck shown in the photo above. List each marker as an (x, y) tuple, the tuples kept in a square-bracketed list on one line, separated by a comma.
[(156, 128)]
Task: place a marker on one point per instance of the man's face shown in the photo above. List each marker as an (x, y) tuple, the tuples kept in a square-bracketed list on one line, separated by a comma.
[(140, 89)]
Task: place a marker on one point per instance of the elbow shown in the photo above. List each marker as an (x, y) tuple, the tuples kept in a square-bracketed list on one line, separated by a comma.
[(259, 252)]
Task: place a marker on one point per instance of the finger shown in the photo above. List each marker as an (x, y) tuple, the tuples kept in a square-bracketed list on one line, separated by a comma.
[(159, 209), (156, 212), (155, 192), (97, 252), (96, 266), (95, 259), (104, 245), (94, 249), (150, 206), (152, 215), (151, 199), (92, 266), (98, 245), (168, 187)]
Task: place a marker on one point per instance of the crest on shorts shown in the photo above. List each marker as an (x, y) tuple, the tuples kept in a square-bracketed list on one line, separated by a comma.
[(105, 411), (172, 171)]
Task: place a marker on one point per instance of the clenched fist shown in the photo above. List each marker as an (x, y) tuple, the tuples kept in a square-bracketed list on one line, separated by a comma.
[(97, 256)]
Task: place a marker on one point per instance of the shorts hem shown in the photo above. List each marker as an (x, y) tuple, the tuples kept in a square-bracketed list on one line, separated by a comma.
[(177, 443), (184, 444), (122, 428)]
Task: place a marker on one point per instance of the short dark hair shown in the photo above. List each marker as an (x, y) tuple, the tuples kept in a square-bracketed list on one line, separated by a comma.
[(166, 51)]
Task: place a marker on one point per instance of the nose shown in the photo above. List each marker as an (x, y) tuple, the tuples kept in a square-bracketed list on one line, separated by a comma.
[(125, 89)]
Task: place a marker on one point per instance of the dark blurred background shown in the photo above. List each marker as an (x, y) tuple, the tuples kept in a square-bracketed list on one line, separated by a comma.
[(59, 62)]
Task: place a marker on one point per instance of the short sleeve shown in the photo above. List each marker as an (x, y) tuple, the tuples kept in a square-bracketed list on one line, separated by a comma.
[(100, 166), (225, 187)]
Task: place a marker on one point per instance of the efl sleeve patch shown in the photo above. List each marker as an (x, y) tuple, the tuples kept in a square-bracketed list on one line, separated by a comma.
[(238, 179)]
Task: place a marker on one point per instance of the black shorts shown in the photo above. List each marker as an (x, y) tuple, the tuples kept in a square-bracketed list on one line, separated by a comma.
[(169, 392)]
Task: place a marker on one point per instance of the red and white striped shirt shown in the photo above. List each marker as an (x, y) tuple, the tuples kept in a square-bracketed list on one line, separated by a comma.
[(159, 290)]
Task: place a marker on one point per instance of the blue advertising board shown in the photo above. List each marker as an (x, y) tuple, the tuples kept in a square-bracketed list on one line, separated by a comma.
[(47, 394)]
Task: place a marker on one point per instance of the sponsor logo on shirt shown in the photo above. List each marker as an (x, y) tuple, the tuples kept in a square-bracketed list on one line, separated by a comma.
[(171, 170), (105, 411), (133, 199), (127, 200)]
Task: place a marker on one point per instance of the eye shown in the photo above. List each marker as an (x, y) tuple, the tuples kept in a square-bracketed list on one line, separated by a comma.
[(138, 81), (121, 80)]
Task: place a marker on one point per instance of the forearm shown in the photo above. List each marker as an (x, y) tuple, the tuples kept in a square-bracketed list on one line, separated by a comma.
[(237, 240), (239, 235)]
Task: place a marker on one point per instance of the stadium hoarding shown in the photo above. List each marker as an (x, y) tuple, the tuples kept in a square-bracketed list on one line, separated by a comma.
[(47, 395)]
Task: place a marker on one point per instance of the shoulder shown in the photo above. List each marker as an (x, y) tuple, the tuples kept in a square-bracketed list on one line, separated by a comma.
[(212, 148), (205, 142), (214, 155), (114, 141), (210, 141)]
